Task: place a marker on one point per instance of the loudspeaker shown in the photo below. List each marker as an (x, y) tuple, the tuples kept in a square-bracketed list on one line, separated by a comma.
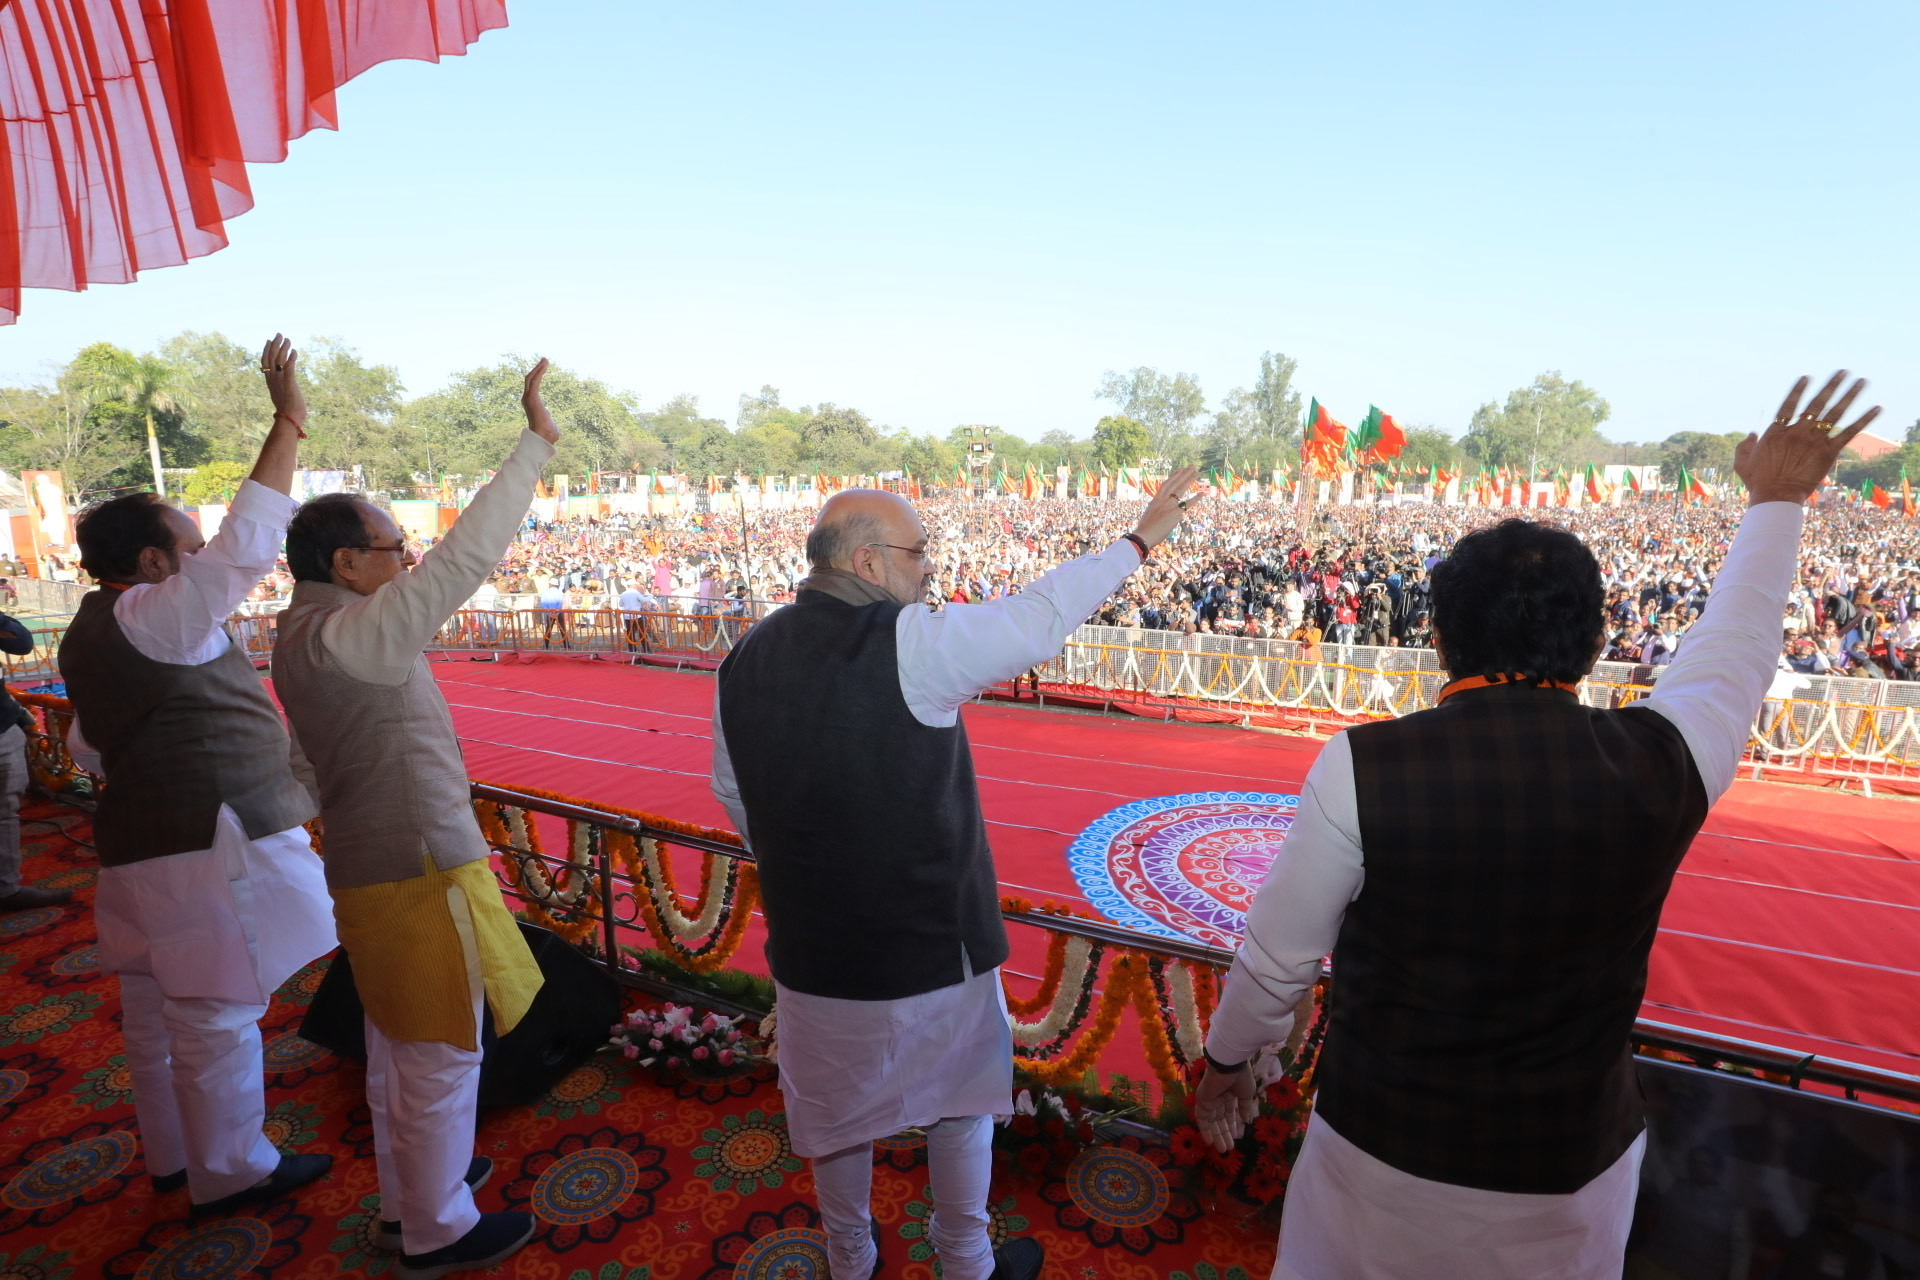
[(571, 1015)]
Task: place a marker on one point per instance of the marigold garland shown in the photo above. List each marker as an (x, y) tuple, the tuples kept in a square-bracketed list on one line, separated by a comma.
[(729, 890), (496, 829)]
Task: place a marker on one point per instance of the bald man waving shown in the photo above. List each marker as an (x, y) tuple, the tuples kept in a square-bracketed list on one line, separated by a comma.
[(838, 751)]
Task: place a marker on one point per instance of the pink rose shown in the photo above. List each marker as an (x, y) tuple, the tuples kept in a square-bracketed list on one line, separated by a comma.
[(630, 1050), (656, 1044), (726, 1057), (699, 1052)]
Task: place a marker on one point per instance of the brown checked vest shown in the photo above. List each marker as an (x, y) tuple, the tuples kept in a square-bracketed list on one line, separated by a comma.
[(1519, 847)]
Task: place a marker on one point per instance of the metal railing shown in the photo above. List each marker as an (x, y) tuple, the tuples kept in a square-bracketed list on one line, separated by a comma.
[(1855, 1081)]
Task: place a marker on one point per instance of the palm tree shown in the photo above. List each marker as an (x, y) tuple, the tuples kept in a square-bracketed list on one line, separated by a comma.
[(145, 384)]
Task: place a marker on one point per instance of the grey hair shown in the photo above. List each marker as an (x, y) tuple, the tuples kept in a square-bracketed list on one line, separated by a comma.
[(831, 543)]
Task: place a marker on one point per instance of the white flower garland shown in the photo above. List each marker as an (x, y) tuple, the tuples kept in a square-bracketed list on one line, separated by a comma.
[(535, 872), (1076, 973), (1188, 1037), (687, 930)]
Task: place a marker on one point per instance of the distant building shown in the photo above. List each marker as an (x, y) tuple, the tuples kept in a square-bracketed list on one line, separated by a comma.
[(1870, 446)]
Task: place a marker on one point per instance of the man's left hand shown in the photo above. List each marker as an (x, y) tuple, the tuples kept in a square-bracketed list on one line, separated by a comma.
[(1224, 1104)]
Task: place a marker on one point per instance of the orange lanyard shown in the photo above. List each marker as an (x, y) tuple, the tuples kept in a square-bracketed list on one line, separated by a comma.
[(1482, 682)]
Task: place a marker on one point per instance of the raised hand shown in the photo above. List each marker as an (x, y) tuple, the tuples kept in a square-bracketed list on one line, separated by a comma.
[(539, 421), (279, 365), (1166, 508), (1788, 462)]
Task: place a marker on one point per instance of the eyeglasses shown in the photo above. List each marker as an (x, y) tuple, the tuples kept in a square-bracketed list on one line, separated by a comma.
[(918, 553), (368, 546)]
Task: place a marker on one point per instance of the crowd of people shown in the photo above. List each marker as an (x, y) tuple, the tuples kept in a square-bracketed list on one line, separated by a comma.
[(1338, 575)]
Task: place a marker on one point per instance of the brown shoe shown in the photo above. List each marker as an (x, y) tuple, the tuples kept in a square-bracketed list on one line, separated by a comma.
[(26, 898)]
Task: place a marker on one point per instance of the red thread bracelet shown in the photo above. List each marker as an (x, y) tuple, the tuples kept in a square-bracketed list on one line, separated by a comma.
[(300, 428)]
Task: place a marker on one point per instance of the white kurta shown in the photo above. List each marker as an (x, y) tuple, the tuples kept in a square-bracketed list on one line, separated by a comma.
[(1351, 1216), (856, 1070), (238, 918)]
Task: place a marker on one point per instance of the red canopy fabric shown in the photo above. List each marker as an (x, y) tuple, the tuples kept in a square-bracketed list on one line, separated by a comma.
[(126, 125)]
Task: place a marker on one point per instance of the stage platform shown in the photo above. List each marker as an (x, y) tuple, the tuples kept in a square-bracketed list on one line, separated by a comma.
[(1791, 923)]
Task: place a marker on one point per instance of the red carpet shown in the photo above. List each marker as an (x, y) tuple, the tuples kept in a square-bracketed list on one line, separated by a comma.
[(633, 1176), (1792, 921)]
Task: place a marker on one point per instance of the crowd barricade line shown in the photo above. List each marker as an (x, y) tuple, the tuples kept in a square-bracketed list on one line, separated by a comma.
[(1832, 728)]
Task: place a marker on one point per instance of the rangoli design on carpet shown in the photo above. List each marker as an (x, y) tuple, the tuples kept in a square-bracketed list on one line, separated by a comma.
[(1184, 866)]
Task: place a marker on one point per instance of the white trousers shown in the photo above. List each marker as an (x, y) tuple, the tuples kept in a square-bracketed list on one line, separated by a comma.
[(959, 1167), (198, 1090), (424, 1095)]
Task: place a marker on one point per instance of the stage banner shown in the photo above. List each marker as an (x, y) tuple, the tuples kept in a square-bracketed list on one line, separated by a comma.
[(418, 518), (311, 484), (1747, 1178), (47, 509)]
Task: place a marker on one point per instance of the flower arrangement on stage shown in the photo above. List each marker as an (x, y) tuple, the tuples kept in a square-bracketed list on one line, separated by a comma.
[(672, 1038), (1047, 1130), (1257, 1168)]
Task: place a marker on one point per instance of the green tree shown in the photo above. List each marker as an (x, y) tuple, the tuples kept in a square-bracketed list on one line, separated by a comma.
[(214, 482), (677, 424), (354, 417), (1430, 447), (144, 387), (928, 457), (56, 429), (1120, 442), (473, 422), (1167, 405), (1550, 423), (1702, 453), (226, 398), (1276, 402)]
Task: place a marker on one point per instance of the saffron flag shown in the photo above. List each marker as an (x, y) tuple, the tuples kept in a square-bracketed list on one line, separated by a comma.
[(1906, 493), (1326, 442), (1877, 496), (1633, 481), (1378, 438)]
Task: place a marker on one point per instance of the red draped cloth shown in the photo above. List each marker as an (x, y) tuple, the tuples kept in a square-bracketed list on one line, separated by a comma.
[(126, 125)]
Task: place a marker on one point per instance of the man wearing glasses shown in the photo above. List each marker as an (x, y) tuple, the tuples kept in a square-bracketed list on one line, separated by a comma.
[(839, 754), (414, 897), (210, 895)]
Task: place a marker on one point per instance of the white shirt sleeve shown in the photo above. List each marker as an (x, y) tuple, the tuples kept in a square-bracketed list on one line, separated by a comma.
[(182, 621), (945, 658), (1295, 917), (1715, 687), (725, 788), (378, 637)]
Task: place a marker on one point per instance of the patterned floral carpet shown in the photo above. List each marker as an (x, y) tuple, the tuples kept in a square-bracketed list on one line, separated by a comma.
[(633, 1177)]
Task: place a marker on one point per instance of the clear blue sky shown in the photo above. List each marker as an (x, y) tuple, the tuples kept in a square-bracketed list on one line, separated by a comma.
[(946, 214)]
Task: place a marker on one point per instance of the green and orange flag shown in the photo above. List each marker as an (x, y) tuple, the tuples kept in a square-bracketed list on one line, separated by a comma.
[(1378, 438)]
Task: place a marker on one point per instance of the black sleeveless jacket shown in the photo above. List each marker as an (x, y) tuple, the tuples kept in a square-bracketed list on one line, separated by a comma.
[(873, 856)]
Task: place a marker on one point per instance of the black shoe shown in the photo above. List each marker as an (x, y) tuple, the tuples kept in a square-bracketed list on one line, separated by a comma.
[(1018, 1259), (166, 1182), (496, 1237), (293, 1171), (387, 1237), (878, 1261), (26, 898)]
